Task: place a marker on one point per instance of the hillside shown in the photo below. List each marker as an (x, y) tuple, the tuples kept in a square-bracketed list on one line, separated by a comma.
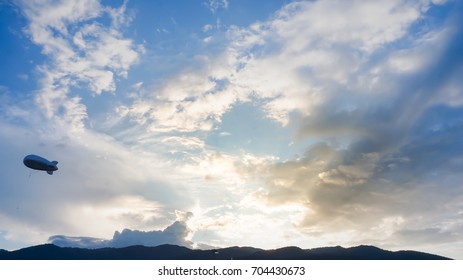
[(174, 252)]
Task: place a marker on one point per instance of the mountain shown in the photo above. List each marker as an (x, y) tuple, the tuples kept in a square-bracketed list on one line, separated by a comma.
[(174, 252), (53, 252), (339, 253)]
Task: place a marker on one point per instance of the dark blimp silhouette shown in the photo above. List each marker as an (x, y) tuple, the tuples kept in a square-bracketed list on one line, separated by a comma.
[(39, 163)]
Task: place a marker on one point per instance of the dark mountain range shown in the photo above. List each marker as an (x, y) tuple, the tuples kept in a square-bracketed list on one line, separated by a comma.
[(174, 252)]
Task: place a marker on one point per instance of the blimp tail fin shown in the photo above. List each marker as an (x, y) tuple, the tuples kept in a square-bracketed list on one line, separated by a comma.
[(54, 162), (50, 172)]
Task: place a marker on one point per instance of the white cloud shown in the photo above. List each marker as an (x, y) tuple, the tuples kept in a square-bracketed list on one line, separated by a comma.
[(193, 101), (82, 52), (294, 62), (12, 109), (207, 27), (338, 72), (360, 88), (137, 86), (57, 15), (311, 50), (215, 5), (137, 193), (120, 16), (175, 234), (339, 22)]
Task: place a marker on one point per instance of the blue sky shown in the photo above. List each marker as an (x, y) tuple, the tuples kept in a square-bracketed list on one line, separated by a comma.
[(216, 123)]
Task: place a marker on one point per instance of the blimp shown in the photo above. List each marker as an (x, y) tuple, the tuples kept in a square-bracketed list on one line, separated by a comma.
[(39, 163)]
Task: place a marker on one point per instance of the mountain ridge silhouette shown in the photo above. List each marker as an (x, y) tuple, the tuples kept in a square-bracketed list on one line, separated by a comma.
[(175, 252)]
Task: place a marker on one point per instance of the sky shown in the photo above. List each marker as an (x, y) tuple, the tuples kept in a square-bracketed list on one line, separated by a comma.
[(217, 123)]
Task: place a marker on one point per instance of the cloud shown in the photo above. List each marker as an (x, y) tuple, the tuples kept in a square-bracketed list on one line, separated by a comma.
[(215, 5), (296, 61), (362, 93), (372, 109), (312, 51), (354, 24), (207, 27), (82, 52), (137, 194), (425, 236), (190, 102), (175, 234), (381, 123)]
